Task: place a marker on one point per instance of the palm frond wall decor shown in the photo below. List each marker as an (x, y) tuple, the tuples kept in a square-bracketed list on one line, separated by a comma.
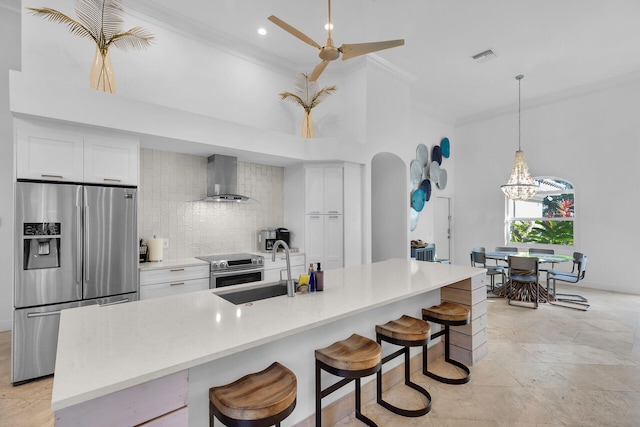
[(308, 95), (102, 22)]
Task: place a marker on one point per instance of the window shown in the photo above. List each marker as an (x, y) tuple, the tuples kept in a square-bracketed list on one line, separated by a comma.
[(546, 218)]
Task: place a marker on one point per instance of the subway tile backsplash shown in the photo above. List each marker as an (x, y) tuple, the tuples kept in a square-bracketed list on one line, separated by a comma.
[(171, 182)]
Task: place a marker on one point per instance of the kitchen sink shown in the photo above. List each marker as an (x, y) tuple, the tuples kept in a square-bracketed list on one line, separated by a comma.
[(255, 294)]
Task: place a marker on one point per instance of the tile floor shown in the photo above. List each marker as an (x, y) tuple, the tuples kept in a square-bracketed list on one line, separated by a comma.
[(548, 367)]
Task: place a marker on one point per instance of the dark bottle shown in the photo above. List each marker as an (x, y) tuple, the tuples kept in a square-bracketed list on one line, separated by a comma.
[(319, 279), (312, 281)]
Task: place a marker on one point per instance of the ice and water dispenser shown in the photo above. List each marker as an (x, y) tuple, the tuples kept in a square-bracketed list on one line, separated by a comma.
[(41, 245)]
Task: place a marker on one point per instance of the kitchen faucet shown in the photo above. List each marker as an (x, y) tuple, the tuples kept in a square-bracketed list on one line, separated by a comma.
[(291, 291)]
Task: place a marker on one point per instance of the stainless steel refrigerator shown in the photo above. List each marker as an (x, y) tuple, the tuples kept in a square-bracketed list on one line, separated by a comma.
[(75, 245)]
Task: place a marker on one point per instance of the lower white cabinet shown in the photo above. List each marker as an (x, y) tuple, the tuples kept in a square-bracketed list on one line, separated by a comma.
[(172, 281), (272, 269), (324, 236)]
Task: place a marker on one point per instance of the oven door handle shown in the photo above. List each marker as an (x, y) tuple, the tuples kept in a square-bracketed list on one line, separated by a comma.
[(222, 273)]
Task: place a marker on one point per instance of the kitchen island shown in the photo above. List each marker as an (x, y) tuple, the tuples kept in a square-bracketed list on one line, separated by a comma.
[(173, 349)]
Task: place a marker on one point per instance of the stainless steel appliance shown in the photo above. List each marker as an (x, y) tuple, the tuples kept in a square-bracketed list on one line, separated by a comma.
[(75, 245), (283, 234), (234, 269), (266, 239)]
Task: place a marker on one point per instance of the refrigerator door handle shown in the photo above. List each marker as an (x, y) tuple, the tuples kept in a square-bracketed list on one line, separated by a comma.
[(115, 302), (43, 314), (78, 243)]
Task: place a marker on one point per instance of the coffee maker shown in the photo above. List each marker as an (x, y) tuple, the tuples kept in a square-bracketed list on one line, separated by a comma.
[(283, 234)]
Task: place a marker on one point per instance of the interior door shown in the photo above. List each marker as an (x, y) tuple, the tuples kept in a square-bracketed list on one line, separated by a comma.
[(443, 228)]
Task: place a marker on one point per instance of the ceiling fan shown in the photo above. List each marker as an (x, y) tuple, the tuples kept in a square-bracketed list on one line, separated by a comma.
[(329, 52)]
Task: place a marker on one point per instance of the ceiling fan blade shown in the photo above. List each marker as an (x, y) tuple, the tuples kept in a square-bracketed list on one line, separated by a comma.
[(318, 70), (299, 34), (352, 50)]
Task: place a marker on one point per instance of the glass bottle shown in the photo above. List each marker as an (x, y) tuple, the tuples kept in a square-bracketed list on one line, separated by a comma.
[(319, 279), (312, 282)]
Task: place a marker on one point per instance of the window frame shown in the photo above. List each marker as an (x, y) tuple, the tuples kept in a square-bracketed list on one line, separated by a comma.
[(510, 204)]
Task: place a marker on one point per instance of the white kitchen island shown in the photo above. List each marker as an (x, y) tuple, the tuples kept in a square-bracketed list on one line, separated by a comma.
[(172, 349)]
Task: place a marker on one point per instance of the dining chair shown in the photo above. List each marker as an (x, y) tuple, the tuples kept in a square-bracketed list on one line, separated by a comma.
[(522, 284), (579, 270), (479, 259), (509, 249), (533, 251)]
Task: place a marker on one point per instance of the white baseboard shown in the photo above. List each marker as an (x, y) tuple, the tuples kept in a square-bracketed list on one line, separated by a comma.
[(5, 325)]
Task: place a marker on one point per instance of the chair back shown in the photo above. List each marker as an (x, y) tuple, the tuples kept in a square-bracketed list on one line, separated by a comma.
[(523, 269), (506, 249), (577, 256), (541, 251), (478, 257), (582, 267)]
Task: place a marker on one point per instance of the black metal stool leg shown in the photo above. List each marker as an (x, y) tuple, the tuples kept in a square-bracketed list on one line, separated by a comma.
[(447, 359)]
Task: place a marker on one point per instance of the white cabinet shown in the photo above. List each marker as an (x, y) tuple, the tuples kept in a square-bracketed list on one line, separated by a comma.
[(324, 236), (50, 152), (110, 161), (172, 281), (273, 269), (323, 190)]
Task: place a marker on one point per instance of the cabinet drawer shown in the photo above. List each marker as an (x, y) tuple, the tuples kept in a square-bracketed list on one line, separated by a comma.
[(172, 275), (173, 288)]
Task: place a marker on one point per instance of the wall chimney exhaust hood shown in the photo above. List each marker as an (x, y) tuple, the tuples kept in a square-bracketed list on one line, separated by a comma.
[(222, 180)]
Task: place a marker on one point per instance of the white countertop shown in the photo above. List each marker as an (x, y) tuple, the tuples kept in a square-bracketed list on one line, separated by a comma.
[(171, 263), (106, 349)]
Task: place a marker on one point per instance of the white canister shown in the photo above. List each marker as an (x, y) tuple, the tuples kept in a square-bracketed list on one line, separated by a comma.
[(154, 249)]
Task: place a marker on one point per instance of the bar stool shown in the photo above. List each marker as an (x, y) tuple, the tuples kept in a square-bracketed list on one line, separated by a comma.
[(406, 332), (260, 399), (447, 314), (352, 359)]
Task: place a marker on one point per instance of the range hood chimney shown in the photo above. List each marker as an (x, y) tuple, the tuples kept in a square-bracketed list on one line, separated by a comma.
[(222, 180)]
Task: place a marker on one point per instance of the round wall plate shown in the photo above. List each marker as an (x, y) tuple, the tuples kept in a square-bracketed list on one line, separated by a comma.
[(445, 147), (434, 172), (425, 186), (415, 171), (422, 154), (436, 154), (442, 182), (417, 200)]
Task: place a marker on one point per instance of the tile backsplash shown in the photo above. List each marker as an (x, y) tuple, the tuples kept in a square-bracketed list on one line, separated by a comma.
[(170, 184)]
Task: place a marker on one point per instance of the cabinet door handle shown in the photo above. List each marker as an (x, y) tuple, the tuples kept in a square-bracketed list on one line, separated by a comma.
[(314, 217), (112, 180), (44, 175), (333, 212), (177, 284), (334, 216), (312, 212), (176, 270)]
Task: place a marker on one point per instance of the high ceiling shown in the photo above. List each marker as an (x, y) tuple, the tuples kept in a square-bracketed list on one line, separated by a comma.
[(563, 47)]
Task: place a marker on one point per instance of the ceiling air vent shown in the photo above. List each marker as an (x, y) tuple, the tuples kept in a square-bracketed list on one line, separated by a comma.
[(484, 56)]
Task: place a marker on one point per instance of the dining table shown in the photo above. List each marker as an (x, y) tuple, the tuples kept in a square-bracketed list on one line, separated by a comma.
[(516, 291)]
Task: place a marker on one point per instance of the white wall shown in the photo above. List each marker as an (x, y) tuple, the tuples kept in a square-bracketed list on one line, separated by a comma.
[(592, 141), (9, 59)]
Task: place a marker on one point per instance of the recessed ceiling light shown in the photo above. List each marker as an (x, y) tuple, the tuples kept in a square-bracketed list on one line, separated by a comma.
[(326, 26), (262, 31)]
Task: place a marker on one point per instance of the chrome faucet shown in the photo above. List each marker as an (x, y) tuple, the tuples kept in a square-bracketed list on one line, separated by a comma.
[(291, 291)]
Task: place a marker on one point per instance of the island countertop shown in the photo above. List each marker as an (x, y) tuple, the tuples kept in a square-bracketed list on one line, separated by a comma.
[(102, 350)]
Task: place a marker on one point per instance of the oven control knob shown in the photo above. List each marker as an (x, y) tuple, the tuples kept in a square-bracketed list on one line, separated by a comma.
[(215, 266), (223, 264), (259, 261)]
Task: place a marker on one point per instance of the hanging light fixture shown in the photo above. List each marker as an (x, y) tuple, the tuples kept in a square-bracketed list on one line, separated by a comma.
[(520, 186)]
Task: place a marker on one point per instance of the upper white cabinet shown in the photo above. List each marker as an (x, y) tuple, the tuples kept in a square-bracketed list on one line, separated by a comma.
[(51, 152), (323, 190), (110, 161)]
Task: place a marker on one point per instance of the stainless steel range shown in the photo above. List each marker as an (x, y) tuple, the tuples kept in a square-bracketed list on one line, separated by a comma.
[(234, 269)]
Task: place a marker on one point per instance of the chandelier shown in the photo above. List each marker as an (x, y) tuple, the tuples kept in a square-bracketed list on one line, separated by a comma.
[(520, 185)]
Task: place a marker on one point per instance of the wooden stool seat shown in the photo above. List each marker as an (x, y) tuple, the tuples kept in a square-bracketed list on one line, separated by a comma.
[(447, 314), (406, 332), (448, 311), (352, 359), (260, 399), (405, 328), (356, 353)]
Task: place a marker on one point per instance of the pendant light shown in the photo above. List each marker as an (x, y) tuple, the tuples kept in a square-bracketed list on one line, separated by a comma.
[(520, 186)]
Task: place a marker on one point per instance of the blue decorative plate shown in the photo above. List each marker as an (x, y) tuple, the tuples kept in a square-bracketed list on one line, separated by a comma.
[(436, 154), (425, 186), (445, 147), (417, 200)]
